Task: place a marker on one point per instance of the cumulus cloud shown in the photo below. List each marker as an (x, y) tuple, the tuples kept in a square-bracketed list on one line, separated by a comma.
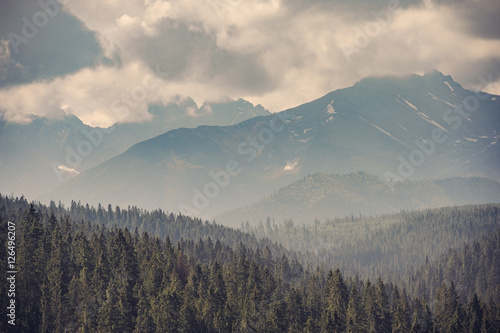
[(275, 53), (98, 96)]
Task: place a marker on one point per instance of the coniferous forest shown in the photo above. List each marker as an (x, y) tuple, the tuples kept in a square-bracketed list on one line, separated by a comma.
[(242, 166), (82, 269)]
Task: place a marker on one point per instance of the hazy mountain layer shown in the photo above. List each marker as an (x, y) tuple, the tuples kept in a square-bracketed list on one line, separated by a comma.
[(327, 196), (38, 157), (398, 128)]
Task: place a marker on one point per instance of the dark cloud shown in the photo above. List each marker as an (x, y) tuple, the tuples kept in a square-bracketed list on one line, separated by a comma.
[(274, 52), (477, 72), (482, 17), (183, 52), (61, 44), (358, 10)]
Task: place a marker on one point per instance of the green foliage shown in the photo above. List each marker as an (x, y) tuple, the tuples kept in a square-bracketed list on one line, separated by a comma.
[(387, 245), (472, 268), (82, 277)]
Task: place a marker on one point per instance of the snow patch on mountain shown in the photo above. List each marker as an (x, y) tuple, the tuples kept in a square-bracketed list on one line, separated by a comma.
[(383, 131), (290, 165), (68, 169), (448, 103), (427, 119), (423, 115), (449, 86), (433, 97), (330, 109), (410, 105), (440, 100), (471, 140)]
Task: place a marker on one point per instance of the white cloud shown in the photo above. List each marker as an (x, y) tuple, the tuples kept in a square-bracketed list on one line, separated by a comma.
[(268, 52), (98, 96)]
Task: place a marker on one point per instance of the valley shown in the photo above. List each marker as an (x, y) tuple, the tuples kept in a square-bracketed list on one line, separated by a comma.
[(238, 166)]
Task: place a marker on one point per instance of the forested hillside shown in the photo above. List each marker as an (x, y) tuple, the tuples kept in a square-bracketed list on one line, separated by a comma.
[(386, 245), (474, 268), (156, 223), (84, 277), (328, 196)]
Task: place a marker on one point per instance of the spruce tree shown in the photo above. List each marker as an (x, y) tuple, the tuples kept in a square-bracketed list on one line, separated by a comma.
[(400, 311), (355, 317), (337, 298), (382, 308), (31, 261)]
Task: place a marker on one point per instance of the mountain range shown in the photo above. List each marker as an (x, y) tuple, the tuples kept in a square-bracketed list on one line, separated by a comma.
[(38, 156), (411, 127)]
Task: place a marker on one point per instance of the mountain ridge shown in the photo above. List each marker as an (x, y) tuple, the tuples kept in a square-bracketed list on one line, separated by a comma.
[(371, 127), (40, 155), (321, 196)]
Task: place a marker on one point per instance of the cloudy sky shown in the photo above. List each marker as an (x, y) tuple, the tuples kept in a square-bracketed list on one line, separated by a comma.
[(91, 57)]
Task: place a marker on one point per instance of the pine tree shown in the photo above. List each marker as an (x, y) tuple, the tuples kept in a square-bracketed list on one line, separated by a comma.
[(86, 302), (331, 323), (474, 315), (449, 311), (400, 312), (143, 323), (295, 310), (165, 307), (314, 302), (253, 296), (54, 287), (383, 308), (216, 298), (110, 317), (277, 320), (31, 267), (187, 319), (421, 317), (337, 298), (371, 309), (355, 317)]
